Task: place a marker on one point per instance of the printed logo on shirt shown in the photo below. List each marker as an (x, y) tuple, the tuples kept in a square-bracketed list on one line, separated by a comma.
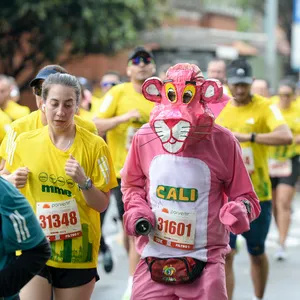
[(20, 226), (176, 193), (59, 180), (43, 177), (55, 190)]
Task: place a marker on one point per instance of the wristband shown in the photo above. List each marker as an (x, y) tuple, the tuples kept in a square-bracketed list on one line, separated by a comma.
[(253, 137)]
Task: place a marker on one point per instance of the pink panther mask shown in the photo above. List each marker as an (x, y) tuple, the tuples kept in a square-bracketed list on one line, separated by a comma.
[(181, 116)]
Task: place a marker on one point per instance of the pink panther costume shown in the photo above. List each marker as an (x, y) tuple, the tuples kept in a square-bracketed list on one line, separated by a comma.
[(179, 173)]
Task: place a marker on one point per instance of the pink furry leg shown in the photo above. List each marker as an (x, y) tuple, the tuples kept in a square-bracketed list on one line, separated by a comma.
[(210, 285), (144, 288)]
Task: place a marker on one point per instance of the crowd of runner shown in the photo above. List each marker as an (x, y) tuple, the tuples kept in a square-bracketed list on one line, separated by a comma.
[(61, 163)]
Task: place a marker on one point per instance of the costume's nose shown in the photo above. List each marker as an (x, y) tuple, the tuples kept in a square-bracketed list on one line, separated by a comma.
[(171, 122)]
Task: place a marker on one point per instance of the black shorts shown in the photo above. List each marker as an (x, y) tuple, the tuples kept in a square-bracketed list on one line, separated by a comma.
[(118, 196), (68, 278), (289, 180)]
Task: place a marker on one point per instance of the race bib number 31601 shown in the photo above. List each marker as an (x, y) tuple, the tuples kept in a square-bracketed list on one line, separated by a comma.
[(175, 229), (59, 220)]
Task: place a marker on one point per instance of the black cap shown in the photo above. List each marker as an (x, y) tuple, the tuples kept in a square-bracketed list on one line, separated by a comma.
[(239, 71), (42, 75), (140, 50)]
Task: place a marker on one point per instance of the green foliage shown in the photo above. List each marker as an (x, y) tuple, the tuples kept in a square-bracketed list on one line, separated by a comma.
[(33, 32)]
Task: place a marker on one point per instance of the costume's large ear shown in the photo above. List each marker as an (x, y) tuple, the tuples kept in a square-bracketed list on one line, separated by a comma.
[(211, 91), (152, 89)]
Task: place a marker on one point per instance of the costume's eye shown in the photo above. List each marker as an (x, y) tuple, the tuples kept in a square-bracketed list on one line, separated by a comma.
[(171, 92), (188, 93)]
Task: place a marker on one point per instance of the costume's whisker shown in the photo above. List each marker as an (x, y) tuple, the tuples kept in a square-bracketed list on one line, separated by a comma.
[(145, 128), (200, 132), (147, 133), (199, 126), (190, 137), (186, 136), (149, 141)]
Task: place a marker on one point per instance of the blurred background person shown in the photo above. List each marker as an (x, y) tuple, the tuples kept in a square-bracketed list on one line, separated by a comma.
[(108, 80), (11, 108), (284, 166), (85, 99), (5, 120), (216, 69), (162, 70), (261, 87), (15, 92)]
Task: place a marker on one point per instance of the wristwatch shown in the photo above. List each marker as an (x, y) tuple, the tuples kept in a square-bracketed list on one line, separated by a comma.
[(247, 205), (87, 185)]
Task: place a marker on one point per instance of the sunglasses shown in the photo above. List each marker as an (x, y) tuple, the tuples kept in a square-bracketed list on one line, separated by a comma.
[(137, 60), (37, 90), (106, 84)]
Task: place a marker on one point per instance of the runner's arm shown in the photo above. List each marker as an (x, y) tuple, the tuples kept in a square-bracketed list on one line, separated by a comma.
[(133, 182), (23, 268), (103, 125), (281, 135)]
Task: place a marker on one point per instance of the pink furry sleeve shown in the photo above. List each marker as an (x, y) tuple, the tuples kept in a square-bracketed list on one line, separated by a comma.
[(244, 205), (133, 187)]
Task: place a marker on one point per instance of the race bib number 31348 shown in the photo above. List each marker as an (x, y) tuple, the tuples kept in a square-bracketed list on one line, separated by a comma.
[(59, 220), (175, 229)]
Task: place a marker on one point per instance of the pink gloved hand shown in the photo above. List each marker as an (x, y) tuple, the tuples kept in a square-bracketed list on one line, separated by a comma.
[(132, 215), (234, 216)]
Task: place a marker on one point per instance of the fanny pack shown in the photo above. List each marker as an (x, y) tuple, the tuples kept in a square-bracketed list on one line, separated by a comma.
[(174, 270)]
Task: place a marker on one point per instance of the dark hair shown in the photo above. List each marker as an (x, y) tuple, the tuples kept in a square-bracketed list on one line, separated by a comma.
[(57, 68), (116, 73), (62, 79), (287, 82)]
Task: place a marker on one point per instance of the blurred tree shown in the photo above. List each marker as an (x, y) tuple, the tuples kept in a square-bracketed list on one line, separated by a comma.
[(285, 10), (35, 32)]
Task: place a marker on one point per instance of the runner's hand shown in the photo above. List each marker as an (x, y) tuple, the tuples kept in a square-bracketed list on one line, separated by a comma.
[(75, 171), (19, 177), (134, 113)]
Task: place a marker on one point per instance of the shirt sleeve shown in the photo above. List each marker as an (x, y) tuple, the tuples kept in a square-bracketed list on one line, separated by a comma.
[(20, 227), (103, 175), (273, 117), (108, 105)]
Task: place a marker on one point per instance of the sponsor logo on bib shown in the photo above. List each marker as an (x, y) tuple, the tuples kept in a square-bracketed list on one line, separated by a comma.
[(176, 193)]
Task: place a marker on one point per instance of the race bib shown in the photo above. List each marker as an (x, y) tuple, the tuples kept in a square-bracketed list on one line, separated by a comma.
[(175, 229), (278, 168), (59, 220), (131, 131), (248, 159)]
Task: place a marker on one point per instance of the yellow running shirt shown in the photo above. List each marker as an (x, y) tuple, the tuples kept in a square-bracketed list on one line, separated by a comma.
[(31, 122), (15, 110), (50, 191), (85, 114), (4, 124), (292, 117), (119, 100), (259, 116)]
